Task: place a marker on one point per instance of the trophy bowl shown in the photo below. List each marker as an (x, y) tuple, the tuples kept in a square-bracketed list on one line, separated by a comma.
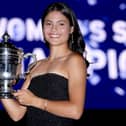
[(11, 59)]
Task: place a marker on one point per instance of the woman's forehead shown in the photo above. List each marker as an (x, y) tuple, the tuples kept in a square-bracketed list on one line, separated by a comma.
[(55, 14)]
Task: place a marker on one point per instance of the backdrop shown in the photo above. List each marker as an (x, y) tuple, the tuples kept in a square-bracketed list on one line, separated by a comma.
[(103, 25)]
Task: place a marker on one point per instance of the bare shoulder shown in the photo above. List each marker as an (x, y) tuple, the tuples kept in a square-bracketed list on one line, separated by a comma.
[(76, 65), (76, 59), (42, 60), (38, 62), (34, 67)]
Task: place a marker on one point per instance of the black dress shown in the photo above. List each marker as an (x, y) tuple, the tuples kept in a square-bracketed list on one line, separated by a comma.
[(50, 86)]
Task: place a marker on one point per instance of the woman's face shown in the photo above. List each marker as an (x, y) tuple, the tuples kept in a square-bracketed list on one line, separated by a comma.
[(56, 28)]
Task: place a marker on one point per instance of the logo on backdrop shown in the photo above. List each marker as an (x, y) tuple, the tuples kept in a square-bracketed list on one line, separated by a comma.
[(95, 36)]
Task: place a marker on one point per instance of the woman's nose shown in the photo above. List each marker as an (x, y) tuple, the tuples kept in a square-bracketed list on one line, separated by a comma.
[(54, 28)]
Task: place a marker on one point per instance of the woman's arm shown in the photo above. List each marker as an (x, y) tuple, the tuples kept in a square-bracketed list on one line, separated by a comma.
[(77, 87), (73, 108), (14, 109)]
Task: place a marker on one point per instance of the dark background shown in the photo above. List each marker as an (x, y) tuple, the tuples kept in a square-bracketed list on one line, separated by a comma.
[(106, 96)]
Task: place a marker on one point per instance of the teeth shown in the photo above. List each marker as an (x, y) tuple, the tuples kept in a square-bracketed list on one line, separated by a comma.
[(54, 35)]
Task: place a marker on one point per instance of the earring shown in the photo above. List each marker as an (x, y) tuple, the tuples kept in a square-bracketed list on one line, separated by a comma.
[(72, 39)]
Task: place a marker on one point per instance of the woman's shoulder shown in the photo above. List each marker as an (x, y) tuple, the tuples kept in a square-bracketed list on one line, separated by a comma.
[(33, 65), (76, 59), (42, 60)]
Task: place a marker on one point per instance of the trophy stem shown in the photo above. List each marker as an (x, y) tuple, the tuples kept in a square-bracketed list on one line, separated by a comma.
[(6, 95), (6, 89)]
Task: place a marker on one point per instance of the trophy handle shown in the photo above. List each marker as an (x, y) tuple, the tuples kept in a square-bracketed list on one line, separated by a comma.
[(31, 65)]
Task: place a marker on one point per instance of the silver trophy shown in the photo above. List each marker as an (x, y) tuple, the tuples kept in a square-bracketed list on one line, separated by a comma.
[(11, 59)]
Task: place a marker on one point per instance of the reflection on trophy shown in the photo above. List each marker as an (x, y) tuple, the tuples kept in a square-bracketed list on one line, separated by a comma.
[(11, 66)]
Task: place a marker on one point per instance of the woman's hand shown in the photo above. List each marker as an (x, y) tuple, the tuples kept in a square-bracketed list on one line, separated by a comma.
[(25, 97)]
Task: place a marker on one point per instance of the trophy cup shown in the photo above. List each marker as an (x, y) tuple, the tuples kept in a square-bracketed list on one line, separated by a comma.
[(11, 59)]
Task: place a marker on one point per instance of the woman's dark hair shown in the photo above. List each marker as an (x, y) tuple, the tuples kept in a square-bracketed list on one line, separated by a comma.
[(75, 42)]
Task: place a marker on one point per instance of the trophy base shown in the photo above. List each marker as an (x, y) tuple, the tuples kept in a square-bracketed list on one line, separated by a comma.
[(6, 95)]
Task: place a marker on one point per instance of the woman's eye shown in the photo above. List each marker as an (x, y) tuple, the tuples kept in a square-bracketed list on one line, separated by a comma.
[(47, 23), (62, 24)]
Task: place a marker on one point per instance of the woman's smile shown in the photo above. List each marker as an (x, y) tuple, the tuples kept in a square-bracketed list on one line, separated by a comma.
[(53, 35)]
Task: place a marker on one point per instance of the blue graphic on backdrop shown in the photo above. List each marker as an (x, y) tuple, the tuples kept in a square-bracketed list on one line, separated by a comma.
[(103, 25)]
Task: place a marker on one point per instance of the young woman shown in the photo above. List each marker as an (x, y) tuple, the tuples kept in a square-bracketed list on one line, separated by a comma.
[(53, 94)]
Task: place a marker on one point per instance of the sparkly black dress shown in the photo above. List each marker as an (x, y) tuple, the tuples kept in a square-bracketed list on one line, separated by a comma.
[(50, 86)]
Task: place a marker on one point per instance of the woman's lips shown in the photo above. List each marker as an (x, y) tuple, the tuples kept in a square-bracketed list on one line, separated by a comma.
[(54, 35)]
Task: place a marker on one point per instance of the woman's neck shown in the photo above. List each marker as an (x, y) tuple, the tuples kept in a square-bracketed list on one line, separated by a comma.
[(58, 54)]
